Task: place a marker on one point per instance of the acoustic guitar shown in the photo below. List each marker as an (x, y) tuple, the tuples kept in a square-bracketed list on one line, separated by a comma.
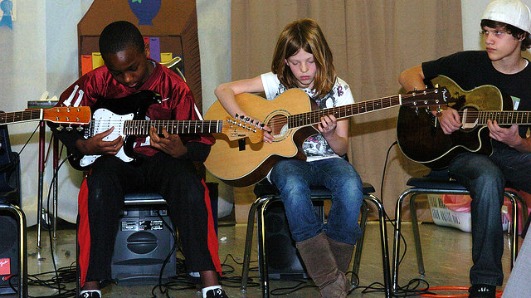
[(292, 117), (422, 140)]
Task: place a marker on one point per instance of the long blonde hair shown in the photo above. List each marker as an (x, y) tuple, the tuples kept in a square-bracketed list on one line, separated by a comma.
[(307, 35)]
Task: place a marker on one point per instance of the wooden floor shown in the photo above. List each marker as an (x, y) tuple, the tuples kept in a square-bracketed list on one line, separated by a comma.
[(446, 254)]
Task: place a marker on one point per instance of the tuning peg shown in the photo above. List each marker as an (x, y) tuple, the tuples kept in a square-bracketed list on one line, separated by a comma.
[(59, 128), (69, 128), (79, 128)]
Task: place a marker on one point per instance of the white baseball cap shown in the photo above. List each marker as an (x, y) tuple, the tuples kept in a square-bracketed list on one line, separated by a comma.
[(512, 12)]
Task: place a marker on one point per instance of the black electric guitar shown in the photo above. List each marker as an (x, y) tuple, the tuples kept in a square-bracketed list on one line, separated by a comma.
[(422, 140), (127, 115)]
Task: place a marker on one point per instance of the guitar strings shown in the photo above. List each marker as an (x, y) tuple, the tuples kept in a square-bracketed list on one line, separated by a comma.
[(502, 117), (7, 117), (141, 127), (313, 117)]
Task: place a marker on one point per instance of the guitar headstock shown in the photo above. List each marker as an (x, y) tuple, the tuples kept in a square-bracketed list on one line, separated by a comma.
[(68, 115), (429, 98), (236, 129)]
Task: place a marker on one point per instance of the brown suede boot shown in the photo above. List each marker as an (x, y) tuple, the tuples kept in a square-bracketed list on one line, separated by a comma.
[(322, 268), (342, 253)]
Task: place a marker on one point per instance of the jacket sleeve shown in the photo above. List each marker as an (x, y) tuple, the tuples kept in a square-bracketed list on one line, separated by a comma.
[(197, 151)]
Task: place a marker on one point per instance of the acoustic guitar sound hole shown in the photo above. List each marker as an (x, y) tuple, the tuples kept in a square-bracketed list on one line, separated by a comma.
[(279, 126)]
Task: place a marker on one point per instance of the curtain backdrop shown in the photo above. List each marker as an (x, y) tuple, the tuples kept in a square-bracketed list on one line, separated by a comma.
[(372, 42)]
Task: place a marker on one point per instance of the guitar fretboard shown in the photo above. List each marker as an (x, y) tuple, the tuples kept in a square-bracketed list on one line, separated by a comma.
[(421, 99), (314, 117), (502, 117), (26, 115), (141, 127)]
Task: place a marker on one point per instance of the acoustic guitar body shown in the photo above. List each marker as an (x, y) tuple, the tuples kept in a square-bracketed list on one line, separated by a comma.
[(241, 162), (422, 140)]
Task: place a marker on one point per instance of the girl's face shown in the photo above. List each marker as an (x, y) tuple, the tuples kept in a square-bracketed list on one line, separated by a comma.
[(303, 66)]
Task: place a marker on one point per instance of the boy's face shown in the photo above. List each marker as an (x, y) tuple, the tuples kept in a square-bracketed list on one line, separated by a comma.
[(499, 43), (129, 67)]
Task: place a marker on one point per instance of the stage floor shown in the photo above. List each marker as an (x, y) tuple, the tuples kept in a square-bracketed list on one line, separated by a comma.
[(446, 255)]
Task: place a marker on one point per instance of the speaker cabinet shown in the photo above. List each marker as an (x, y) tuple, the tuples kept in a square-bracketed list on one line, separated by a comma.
[(284, 262), (9, 230), (143, 243), (9, 225)]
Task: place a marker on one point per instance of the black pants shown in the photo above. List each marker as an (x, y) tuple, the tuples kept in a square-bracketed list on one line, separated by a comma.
[(175, 179)]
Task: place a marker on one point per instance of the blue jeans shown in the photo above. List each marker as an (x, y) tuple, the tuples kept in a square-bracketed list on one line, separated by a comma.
[(294, 178), (485, 177)]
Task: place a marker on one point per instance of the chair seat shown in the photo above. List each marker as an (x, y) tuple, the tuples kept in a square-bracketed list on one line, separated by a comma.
[(264, 188), (435, 183), (147, 198)]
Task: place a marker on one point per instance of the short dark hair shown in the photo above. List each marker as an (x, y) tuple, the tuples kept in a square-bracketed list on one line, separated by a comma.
[(514, 31), (119, 35)]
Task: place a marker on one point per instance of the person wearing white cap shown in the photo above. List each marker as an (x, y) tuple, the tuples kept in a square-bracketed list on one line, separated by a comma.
[(505, 28)]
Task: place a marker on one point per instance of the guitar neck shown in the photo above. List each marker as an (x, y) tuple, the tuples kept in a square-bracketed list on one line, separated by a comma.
[(314, 117), (27, 115), (502, 117), (141, 127)]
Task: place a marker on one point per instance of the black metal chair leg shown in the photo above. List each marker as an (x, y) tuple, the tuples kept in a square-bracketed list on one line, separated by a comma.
[(354, 281), (248, 242), (416, 235)]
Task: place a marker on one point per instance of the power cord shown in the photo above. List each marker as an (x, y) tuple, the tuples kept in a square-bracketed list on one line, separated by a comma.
[(160, 286), (415, 286)]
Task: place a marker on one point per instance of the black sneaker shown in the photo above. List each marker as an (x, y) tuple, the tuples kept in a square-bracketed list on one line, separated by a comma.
[(482, 291), (216, 293), (90, 294)]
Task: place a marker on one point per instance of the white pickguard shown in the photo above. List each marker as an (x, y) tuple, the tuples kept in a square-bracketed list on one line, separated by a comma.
[(104, 119)]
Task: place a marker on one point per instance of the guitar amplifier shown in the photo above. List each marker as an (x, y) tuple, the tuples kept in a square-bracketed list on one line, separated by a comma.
[(144, 245), (9, 227), (8, 252)]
